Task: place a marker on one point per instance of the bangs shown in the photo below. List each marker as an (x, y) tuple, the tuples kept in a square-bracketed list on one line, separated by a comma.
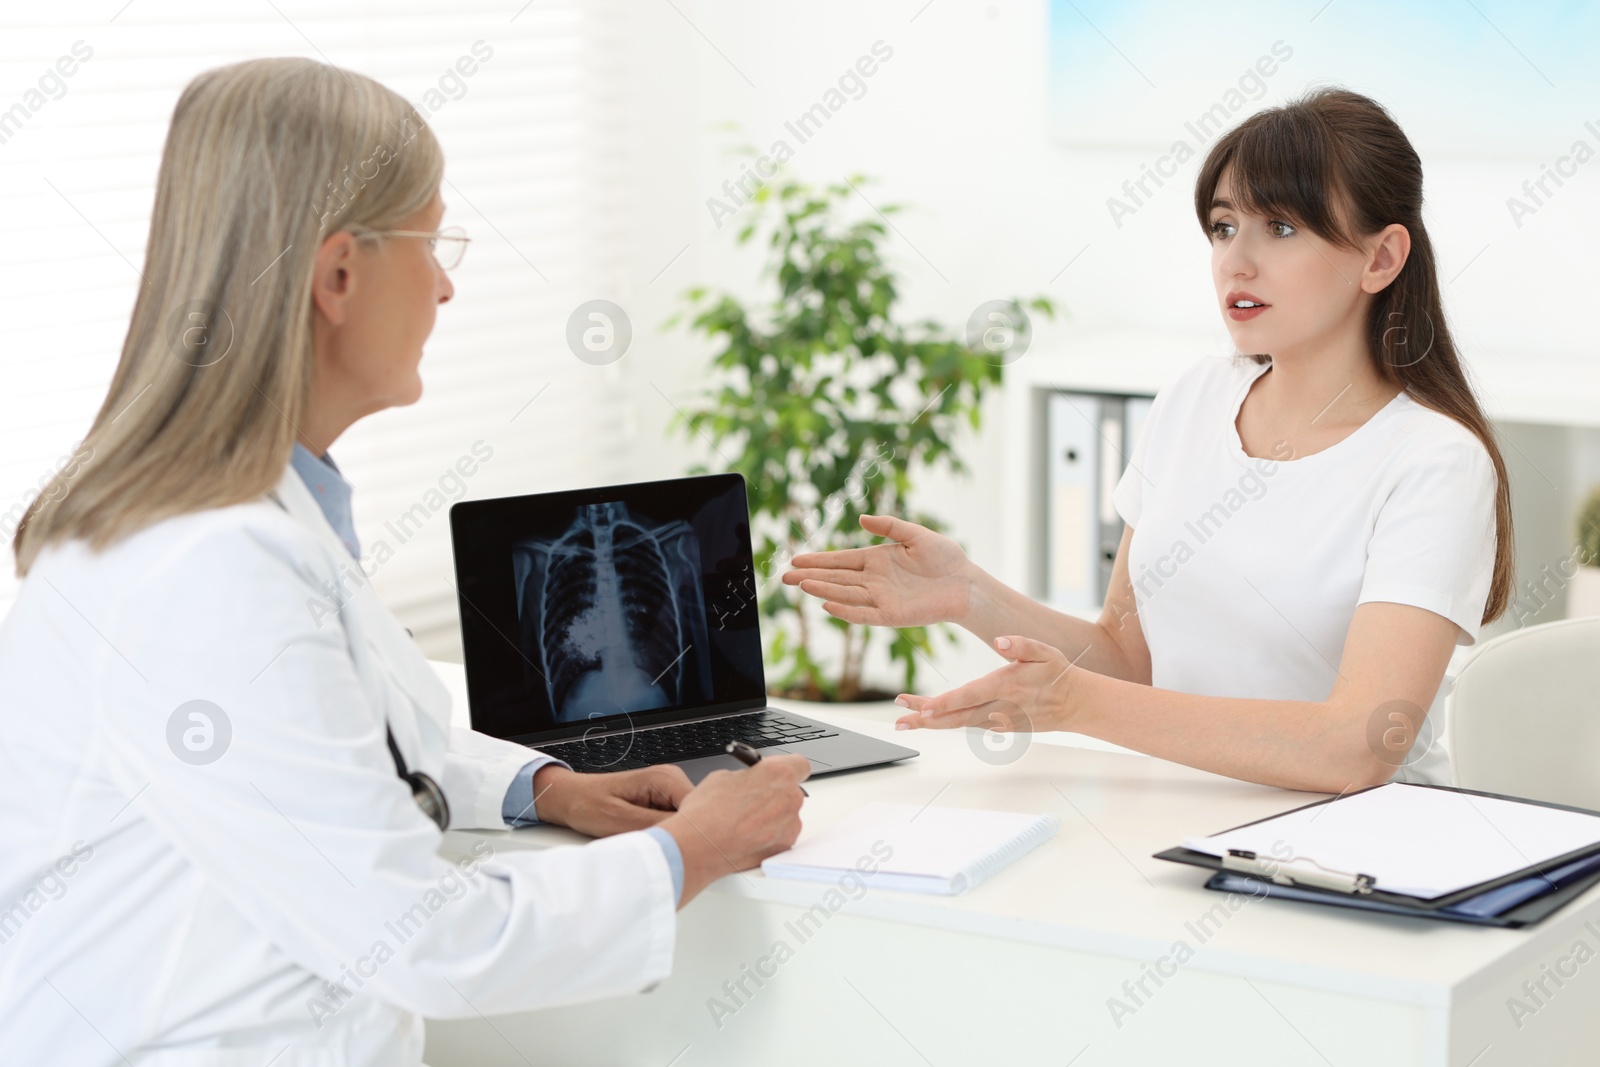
[(1283, 163)]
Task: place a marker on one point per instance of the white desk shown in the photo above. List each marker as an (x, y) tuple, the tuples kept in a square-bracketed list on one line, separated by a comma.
[(1020, 971)]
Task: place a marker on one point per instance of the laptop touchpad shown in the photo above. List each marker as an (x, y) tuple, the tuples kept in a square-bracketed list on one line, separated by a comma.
[(698, 768)]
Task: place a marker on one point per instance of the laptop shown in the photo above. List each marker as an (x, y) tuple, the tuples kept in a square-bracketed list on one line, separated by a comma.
[(618, 627)]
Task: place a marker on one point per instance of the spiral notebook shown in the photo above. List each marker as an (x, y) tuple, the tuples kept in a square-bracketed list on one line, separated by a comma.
[(914, 849)]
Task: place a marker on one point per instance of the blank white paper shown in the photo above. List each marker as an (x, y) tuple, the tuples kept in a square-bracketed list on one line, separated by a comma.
[(1413, 840)]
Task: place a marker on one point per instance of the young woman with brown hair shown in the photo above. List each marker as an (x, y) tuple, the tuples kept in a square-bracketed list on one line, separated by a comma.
[(1312, 524)]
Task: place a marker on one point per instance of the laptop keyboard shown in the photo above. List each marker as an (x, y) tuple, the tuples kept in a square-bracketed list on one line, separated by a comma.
[(669, 744)]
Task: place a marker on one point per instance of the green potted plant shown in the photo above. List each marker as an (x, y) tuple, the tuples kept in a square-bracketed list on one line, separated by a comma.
[(827, 403), (1583, 593)]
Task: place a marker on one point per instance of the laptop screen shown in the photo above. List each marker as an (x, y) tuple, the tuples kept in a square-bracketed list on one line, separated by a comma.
[(606, 607)]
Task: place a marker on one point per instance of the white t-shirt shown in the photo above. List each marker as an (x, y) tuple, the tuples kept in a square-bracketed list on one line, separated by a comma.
[(1247, 571)]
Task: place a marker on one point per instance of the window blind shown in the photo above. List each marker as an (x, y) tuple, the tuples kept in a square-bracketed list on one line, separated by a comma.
[(517, 96)]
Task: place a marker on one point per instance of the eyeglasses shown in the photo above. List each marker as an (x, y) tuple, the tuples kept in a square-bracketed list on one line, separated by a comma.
[(448, 245)]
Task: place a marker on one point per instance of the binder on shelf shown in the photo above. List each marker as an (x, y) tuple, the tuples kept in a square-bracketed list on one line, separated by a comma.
[(1072, 520), (1522, 860), (1088, 439), (1128, 425)]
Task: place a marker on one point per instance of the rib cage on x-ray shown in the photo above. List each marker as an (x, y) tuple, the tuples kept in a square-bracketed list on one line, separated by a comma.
[(612, 614)]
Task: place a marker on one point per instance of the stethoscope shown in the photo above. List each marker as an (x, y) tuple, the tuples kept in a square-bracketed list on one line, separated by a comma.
[(424, 790)]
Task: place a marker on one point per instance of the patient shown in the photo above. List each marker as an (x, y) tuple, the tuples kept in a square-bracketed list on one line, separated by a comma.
[(1313, 525)]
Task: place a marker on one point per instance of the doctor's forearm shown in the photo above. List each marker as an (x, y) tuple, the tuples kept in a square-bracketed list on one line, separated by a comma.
[(1293, 744), (997, 610)]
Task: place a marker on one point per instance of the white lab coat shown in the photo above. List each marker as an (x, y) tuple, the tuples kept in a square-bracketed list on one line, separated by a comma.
[(172, 914)]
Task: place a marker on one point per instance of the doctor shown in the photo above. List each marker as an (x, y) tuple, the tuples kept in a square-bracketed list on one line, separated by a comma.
[(207, 852)]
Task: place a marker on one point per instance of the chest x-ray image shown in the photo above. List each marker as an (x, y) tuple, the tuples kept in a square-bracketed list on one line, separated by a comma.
[(612, 614)]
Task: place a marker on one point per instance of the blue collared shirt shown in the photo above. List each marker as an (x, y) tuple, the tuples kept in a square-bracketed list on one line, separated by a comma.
[(332, 494), (331, 491)]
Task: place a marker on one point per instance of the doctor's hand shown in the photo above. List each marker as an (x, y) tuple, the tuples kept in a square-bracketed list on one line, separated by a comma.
[(1035, 691), (603, 804), (735, 819), (921, 578)]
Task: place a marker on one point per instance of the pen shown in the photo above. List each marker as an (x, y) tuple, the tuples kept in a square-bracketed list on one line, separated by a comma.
[(750, 757), (1299, 871)]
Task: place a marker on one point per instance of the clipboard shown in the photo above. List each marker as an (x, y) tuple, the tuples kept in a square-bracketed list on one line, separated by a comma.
[(1363, 897)]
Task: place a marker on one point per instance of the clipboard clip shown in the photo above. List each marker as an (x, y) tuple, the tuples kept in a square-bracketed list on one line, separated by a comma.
[(1296, 872)]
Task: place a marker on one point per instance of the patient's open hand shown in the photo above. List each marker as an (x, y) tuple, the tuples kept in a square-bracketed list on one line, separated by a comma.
[(921, 578), (1032, 692)]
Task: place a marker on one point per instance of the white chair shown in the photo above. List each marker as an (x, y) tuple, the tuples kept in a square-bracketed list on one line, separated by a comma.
[(1525, 715)]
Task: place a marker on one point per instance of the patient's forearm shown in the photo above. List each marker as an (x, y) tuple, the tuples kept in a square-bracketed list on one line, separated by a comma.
[(1293, 744), (997, 610)]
